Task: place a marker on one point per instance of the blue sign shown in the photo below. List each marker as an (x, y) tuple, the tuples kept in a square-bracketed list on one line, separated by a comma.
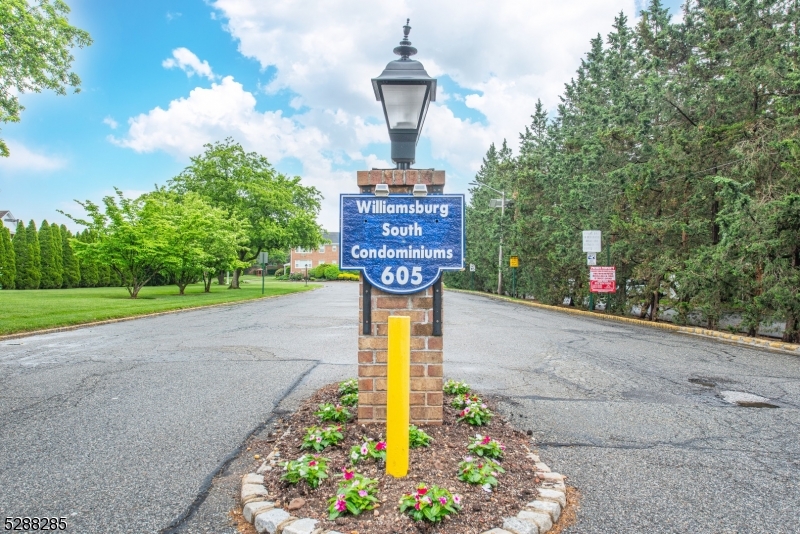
[(402, 243)]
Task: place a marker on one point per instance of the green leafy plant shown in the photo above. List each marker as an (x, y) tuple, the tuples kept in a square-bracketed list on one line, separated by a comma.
[(417, 437), (329, 412), (480, 471), (349, 399), (459, 401), (356, 494), (486, 447), (430, 503), (348, 386), (475, 413), (453, 387), (368, 449), (318, 438), (309, 467)]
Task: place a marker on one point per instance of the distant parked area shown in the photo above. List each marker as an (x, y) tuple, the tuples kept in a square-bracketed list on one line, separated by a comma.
[(24, 311)]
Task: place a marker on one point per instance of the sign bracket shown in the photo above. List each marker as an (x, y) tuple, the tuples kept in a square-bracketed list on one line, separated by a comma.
[(437, 307), (366, 308)]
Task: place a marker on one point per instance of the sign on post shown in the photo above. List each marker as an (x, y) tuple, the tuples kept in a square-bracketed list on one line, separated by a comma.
[(402, 243), (263, 258), (603, 279), (591, 258), (472, 267), (591, 241), (513, 261)]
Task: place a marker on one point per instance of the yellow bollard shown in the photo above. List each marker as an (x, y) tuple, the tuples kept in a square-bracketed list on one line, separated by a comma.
[(397, 396)]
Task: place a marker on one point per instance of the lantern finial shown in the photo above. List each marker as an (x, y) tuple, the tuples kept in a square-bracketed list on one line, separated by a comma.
[(405, 50)]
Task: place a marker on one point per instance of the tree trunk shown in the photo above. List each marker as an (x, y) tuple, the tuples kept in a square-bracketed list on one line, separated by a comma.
[(207, 278), (181, 289), (235, 279), (220, 278), (654, 301), (791, 333)]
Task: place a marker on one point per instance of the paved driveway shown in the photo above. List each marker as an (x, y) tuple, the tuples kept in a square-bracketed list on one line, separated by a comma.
[(137, 426)]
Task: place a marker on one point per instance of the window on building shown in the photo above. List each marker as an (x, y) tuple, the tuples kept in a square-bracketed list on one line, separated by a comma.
[(302, 264), (334, 262), (333, 247), (322, 249), (300, 250)]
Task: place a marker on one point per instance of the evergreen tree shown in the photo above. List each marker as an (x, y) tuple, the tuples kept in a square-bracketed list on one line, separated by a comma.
[(8, 269), (58, 253), (88, 268), (22, 257), (72, 272), (35, 254), (49, 265)]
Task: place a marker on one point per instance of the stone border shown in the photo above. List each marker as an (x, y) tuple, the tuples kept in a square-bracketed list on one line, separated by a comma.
[(715, 335), (537, 517), (68, 328)]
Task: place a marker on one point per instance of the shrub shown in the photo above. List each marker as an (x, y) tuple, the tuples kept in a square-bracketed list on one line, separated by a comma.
[(417, 437), (329, 412), (348, 276), (356, 494), (486, 447), (318, 438), (430, 503), (368, 449), (331, 272), (311, 468), (483, 472), (452, 387)]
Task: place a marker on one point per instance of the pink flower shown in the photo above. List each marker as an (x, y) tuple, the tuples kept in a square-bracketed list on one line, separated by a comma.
[(312, 463), (466, 411), (380, 446), (340, 505), (348, 475), (364, 449), (486, 440), (416, 506), (443, 500), (457, 499), (319, 439), (362, 493)]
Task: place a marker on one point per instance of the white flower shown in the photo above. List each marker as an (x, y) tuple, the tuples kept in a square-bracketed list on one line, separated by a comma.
[(479, 437), (487, 488)]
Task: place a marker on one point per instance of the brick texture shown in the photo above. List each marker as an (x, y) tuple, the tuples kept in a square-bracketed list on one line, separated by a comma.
[(426, 350)]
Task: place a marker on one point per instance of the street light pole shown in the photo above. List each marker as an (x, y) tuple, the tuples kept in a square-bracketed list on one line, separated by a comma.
[(500, 252)]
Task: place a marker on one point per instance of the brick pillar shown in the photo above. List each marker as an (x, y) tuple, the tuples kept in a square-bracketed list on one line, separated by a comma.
[(426, 349)]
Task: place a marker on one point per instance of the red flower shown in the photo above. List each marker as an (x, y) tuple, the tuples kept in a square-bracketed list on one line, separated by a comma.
[(312, 463), (422, 490), (380, 446), (486, 440), (348, 475), (416, 506)]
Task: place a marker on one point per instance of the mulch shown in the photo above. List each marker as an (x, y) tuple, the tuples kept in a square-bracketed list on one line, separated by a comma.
[(436, 464)]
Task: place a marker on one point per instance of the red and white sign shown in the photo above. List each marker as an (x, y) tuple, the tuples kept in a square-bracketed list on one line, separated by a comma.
[(603, 279)]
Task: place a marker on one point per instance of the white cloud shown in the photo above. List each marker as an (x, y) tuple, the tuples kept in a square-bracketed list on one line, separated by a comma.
[(111, 122), (188, 62), (505, 54), (24, 159)]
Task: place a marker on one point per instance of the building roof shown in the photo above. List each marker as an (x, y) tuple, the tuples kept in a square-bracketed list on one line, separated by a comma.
[(332, 236)]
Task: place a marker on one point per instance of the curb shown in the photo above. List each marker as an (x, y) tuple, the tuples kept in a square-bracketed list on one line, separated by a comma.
[(536, 517), (779, 346), (67, 328)]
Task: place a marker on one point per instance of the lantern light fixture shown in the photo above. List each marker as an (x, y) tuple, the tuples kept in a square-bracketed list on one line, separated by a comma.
[(405, 91)]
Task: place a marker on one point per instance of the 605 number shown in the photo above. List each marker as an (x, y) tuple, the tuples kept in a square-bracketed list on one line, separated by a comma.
[(401, 275)]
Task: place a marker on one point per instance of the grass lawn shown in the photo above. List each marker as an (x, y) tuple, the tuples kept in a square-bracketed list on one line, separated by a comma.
[(22, 311)]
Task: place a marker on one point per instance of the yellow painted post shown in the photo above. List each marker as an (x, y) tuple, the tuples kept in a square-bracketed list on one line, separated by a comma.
[(397, 396)]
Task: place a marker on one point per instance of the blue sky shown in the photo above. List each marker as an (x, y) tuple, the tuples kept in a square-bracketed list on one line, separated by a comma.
[(289, 80)]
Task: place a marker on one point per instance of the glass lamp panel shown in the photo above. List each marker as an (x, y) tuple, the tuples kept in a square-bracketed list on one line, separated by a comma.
[(403, 103)]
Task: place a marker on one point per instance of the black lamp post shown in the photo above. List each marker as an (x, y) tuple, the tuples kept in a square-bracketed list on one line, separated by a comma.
[(405, 90)]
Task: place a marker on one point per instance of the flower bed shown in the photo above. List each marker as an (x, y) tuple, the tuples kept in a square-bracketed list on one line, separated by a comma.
[(458, 506)]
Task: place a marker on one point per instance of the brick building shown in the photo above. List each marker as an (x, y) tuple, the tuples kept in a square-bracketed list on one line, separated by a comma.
[(301, 258)]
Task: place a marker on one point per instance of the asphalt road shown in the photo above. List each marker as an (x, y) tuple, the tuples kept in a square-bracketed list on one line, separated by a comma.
[(139, 426)]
